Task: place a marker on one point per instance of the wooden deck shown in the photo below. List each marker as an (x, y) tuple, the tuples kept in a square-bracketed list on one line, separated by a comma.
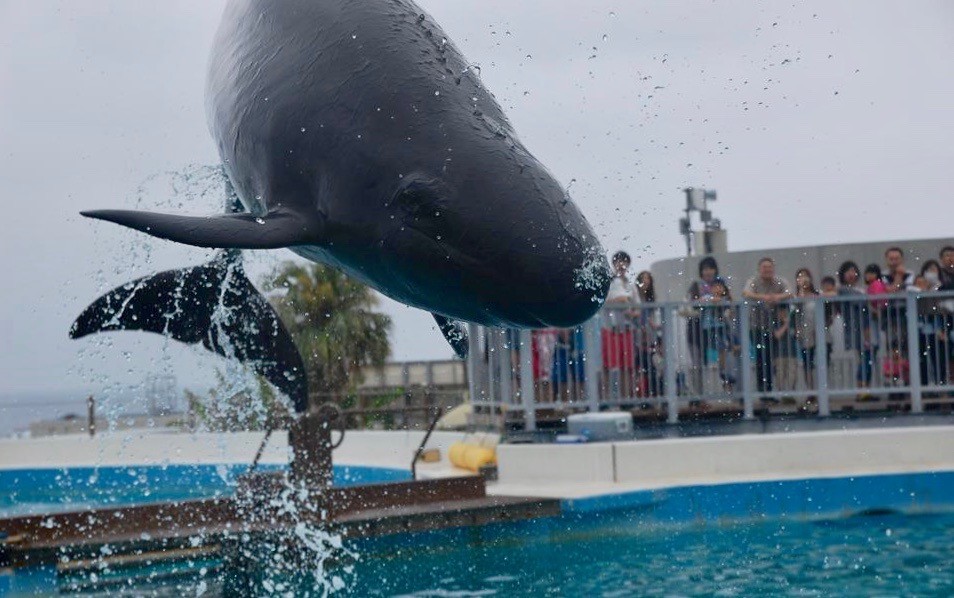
[(161, 531)]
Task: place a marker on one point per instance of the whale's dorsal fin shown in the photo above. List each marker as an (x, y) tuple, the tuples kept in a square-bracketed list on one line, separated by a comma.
[(275, 230), (455, 333)]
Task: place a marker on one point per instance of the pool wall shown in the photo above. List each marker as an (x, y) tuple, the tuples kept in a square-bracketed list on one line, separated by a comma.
[(57, 473), (167, 447), (831, 472), (599, 468), (48, 490)]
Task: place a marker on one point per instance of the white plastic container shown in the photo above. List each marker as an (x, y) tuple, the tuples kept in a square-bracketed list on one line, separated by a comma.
[(596, 427)]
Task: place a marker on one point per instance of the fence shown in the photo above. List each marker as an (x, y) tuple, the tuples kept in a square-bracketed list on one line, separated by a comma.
[(816, 355)]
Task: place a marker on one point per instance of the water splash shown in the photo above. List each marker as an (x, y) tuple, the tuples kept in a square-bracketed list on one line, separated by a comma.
[(307, 549)]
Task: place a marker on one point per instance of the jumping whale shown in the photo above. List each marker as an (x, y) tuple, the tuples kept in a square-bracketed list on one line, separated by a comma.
[(355, 134)]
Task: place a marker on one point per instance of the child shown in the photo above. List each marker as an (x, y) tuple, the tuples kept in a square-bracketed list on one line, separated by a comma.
[(716, 332), (786, 350), (897, 369), (829, 289), (568, 373), (876, 286)]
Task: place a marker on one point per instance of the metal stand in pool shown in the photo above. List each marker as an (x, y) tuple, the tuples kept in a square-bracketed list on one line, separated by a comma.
[(123, 540)]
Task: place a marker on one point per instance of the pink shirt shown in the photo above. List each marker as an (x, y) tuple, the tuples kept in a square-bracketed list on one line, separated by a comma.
[(878, 288)]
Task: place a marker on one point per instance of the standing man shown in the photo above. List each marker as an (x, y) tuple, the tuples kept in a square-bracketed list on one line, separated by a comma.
[(896, 276), (947, 304), (897, 279), (766, 291), (947, 268), (616, 336), (621, 290)]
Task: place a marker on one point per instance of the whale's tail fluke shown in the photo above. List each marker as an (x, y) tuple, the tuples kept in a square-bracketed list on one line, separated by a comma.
[(213, 304)]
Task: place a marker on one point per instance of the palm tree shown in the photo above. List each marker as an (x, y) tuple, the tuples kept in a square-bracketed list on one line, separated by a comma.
[(332, 320)]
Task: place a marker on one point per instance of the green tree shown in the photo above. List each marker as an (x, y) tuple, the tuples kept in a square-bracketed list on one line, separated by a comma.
[(333, 321)]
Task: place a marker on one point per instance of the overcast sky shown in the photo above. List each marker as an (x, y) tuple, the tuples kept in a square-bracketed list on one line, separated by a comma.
[(817, 122)]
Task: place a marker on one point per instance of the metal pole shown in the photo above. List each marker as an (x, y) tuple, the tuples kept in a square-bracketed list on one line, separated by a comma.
[(526, 381), (745, 361), (473, 354), (821, 360), (493, 361), (914, 352), (91, 415), (671, 348), (592, 362), (505, 359)]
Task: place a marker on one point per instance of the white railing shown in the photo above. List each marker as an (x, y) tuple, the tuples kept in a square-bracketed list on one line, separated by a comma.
[(818, 355)]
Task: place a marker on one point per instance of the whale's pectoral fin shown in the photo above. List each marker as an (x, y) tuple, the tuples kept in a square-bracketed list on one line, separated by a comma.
[(226, 231), (213, 304), (455, 333)]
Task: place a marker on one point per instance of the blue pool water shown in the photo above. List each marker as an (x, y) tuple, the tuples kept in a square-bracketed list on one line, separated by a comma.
[(28, 491), (886, 555), (888, 535), (876, 555)]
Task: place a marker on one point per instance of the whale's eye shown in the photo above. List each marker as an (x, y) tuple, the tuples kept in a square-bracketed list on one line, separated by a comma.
[(420, 199)]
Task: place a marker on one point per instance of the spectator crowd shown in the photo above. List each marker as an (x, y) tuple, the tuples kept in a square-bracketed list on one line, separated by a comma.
[(786, 342)]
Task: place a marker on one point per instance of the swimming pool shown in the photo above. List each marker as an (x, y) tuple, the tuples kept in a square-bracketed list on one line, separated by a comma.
[(886, 535), (50, 490), (890, 554)]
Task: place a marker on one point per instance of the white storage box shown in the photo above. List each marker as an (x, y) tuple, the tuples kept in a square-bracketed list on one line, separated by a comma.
[(614, 425)]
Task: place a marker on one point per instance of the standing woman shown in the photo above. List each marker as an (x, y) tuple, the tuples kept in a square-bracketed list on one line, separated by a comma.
[(856, 318), (803, 322), (647, 336), (699, 290)]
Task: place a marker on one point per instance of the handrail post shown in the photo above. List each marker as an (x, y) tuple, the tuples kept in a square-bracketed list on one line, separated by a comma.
[(505, 364), (493, 368), (592, 362), (527, 397), (821, 360), (669, 363), (473, 354), (91, 415), (914, 352), (745, 361)]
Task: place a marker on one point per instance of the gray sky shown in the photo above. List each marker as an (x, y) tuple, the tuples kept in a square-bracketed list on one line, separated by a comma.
[(819, 122)]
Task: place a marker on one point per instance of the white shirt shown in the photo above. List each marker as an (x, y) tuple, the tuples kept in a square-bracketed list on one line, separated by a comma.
[(620, 289)]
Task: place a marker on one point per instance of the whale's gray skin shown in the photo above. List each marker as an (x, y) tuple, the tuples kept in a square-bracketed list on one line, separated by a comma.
[(356, 134)]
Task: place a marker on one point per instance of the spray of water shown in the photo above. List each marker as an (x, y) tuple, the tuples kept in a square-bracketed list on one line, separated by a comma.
[(293, 562)]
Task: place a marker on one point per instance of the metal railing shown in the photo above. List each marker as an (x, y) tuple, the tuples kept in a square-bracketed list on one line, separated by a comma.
[(814, 355)]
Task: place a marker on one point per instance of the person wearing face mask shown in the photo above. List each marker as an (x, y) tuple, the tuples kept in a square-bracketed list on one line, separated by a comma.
[(932, 337), (931, 271)]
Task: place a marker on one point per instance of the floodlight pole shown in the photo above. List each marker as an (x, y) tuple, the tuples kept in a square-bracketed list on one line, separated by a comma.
[(693, 198)]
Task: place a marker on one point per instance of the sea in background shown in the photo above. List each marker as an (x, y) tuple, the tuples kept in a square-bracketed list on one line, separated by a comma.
[(18, 410)]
